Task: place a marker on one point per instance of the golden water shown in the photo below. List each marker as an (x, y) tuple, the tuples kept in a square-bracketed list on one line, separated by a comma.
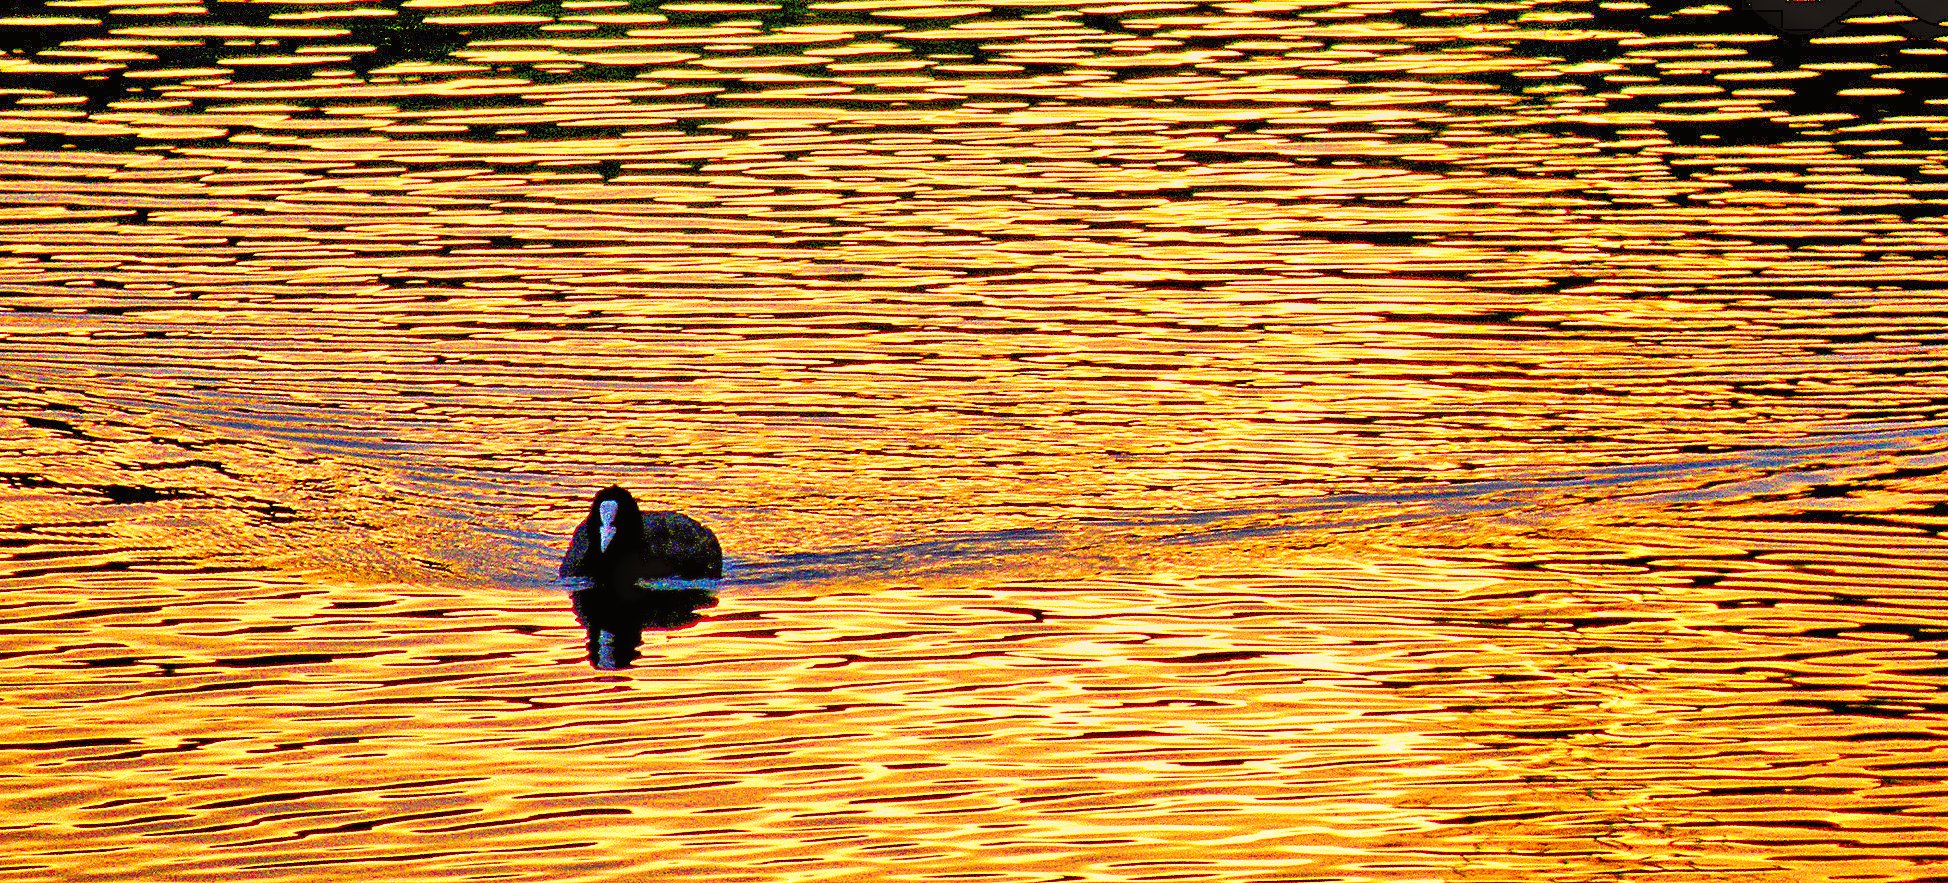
[(1238, 441)]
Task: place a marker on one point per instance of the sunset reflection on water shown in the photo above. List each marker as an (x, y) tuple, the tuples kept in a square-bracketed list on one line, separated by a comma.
[(1239, 441)]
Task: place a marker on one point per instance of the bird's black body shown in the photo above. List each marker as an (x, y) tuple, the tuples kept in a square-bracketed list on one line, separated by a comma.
[(643, 546), (646, 545)]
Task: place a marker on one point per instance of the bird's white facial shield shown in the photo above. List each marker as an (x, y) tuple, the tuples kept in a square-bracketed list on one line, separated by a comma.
[(607, 510)]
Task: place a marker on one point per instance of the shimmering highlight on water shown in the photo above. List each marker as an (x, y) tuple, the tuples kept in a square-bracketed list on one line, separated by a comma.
[(1239, 441)]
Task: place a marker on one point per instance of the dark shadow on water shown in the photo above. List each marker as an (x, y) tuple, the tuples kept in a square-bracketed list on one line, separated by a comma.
[(616, 617)]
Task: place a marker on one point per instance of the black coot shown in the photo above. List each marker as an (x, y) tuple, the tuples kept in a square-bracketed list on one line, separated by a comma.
[(619, 544)]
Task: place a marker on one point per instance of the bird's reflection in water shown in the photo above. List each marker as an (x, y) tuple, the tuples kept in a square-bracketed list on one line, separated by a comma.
[(616, 617)]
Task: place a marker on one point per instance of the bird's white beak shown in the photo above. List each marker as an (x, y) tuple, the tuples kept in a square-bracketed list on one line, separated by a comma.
[(607, 510)]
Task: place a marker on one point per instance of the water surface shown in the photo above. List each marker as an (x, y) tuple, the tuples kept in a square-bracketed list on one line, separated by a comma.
[(1240, 441)]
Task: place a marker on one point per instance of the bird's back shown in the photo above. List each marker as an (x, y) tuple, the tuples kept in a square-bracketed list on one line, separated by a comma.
[(678, 545)]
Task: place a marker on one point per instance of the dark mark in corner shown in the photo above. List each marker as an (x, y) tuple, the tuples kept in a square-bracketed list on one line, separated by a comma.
[(128, 493), (25, 479), (55, 425)]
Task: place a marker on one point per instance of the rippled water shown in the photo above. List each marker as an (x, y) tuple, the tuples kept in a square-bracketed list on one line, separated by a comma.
[(1242, 441)]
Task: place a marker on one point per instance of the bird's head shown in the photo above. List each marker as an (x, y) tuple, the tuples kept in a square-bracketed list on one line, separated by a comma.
[(613, 513)]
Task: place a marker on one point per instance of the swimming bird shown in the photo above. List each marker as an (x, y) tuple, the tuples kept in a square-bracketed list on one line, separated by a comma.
[(618, 544)]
